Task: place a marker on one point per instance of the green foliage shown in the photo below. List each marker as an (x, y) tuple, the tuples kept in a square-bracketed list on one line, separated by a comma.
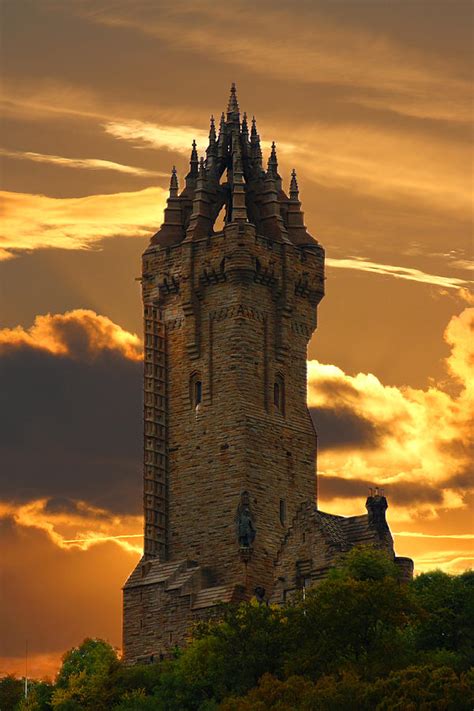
[(11, 691), (360, 639), (93, 656), (365, 563), (448, 619), (39, 697), (412, 689), (82, 681), (425, 689), (351, 624)]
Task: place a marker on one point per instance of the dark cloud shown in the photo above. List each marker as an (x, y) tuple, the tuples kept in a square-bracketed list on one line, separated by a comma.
[(60, 504), (400, 493), (341, 427), (70, 429), (463, 480)]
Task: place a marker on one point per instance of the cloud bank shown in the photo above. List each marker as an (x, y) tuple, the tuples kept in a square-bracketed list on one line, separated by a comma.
[(39, 222)]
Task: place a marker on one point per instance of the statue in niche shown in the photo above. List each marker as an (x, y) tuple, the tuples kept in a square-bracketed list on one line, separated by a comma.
[(244, 520)]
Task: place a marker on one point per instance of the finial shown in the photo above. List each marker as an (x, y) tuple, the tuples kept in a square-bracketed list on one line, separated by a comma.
[(194, 161), (233, 106), (294, 191), (174, 183), (254, 128), (273, 161), (212, 131)]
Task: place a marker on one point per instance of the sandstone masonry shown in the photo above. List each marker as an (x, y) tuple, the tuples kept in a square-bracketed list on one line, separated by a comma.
[(229, 446)]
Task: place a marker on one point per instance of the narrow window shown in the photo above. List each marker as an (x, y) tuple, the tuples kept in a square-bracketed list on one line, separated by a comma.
[(195, 390), (276, 395), (282, 511), (279, 394)]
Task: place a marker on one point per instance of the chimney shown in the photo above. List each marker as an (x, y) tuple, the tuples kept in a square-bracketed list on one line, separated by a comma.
[(376, 506)]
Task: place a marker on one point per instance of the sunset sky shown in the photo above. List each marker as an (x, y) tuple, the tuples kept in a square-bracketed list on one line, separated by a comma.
[(371, 103)]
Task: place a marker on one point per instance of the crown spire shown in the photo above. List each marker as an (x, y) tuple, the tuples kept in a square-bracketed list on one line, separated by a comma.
[(174, 183), (233, 106), (294, 191)]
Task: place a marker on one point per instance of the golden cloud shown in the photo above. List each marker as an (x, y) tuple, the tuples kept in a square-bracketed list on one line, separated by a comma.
[(77, 524), (426, 435), (407, 273), (86, 163), (38, 222), (79, 333), (172, 138)]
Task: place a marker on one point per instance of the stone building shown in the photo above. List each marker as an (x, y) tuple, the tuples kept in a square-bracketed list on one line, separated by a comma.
[(231, 284)]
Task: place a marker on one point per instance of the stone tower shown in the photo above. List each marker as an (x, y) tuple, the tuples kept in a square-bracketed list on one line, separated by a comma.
[(231, 283)]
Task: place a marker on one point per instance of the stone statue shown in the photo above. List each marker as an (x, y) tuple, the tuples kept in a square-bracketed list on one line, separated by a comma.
[(245, 526)]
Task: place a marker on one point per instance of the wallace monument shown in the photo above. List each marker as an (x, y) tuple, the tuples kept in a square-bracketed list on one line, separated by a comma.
[(231, 283)]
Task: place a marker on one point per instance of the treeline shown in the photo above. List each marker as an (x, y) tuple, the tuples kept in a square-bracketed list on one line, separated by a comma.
[(359, 640)]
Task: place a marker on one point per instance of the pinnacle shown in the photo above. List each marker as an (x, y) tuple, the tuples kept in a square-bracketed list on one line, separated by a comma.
[(233, 106), (174, 183), (294, 191), (273, 161), (212, 130)]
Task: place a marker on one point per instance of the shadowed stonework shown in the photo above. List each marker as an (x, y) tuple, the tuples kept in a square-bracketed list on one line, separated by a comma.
[(231, 283)]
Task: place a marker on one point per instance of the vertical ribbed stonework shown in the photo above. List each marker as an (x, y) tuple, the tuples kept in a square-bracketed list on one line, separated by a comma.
[(155, 489)]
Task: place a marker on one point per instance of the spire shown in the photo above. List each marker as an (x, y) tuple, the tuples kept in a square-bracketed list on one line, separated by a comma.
[(273, 162), (211, 150), (212, 131), (233, 106), (245, 126), (294, 191), (194, 162), (253, 132), (174, 183), (256, 151)]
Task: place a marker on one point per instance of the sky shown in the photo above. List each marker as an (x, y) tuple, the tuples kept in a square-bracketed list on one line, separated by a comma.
[(371, 103)]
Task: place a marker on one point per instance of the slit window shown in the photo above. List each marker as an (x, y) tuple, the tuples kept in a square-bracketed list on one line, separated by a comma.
[(279, 394), (195, 390), (282, 511)]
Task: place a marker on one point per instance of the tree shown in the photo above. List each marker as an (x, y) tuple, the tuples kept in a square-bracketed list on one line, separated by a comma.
[(11, 691), (448, 619), (424, 689), (357, 619), (39, 697), (82, 680)]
